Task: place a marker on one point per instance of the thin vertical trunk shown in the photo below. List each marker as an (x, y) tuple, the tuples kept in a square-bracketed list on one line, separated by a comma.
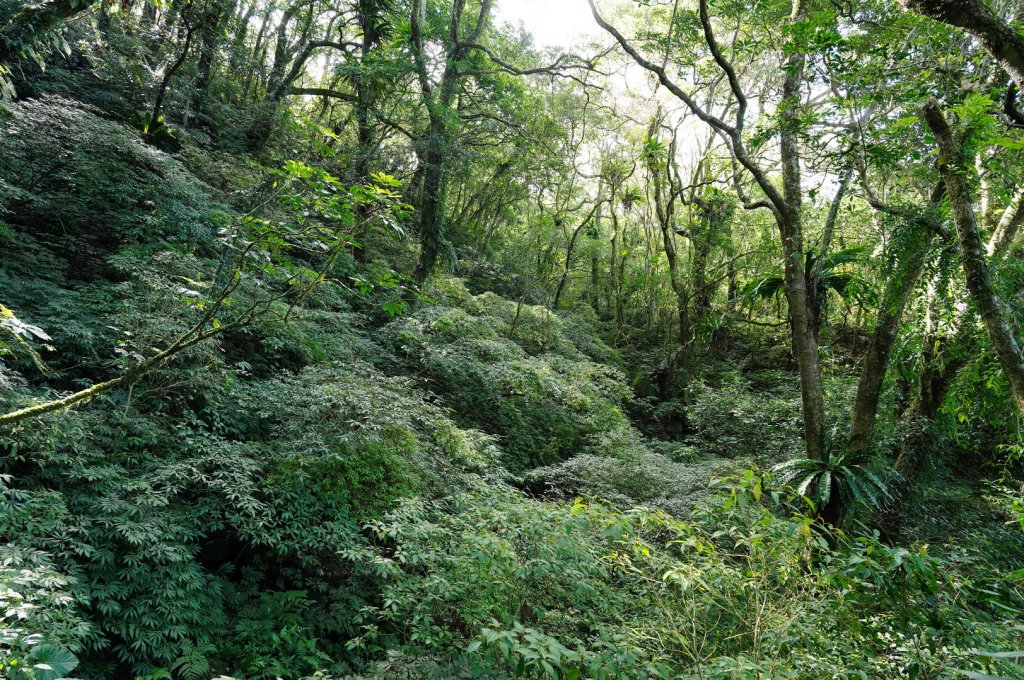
[(158, 103), (595, 260), (241, 33), (1007, 227), (258, 54), (790, 223), (620, 290), (816, 291), (570, 248), (714, 214), (613, 256), (935, 374), (209, 34), (365, 89)]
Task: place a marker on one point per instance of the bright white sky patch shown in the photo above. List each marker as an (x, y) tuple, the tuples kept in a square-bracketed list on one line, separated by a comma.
[(553, 23)]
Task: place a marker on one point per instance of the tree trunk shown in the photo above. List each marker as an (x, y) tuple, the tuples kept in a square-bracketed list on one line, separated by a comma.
[(1007, 227), (255, 60), (935, 373), (432, 202), (790, 224), (714, 215), (237, 48), (595, 260), (440, 107), (158, 104), (568, 257), (209, 34), (817, 291), (972, 254), (876, 362)]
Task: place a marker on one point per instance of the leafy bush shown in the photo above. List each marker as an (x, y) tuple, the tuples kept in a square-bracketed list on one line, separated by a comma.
[(39, 619), (491, 582), (513, 373), (155, 517), (627, 470), (741, 420), (71, 173)]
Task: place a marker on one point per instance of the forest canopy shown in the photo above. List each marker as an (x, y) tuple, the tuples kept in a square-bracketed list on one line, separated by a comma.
[(496, 339)]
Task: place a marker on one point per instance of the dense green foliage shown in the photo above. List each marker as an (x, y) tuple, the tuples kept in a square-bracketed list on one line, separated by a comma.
[(372, 340)]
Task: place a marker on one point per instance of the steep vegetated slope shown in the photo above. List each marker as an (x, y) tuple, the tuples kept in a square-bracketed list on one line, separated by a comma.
[(347, 493)]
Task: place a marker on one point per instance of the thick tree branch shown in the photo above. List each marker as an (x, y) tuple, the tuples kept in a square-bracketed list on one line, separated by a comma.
[(323, 92), (982, 22)]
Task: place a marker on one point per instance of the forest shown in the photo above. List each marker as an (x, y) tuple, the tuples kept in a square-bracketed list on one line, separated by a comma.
[(543, 339)]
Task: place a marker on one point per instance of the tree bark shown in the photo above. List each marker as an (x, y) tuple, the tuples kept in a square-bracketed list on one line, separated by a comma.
[(1007, 227), (979, 281), (211, 22), (441, 133), (790, 224), (433, 198), (897, 294)]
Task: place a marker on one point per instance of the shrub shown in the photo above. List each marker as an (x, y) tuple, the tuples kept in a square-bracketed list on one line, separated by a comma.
[(71, 173), (740, 420), (489, 582), (531, 386)]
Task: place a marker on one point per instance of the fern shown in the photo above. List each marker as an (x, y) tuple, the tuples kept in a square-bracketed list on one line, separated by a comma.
[(839, 483)]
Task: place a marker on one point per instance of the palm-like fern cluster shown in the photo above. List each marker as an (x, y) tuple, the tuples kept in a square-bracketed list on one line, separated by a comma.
[(842, 481)]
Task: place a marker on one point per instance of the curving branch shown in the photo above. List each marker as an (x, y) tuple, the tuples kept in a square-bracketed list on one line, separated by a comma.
[(323, 92), (975, 17), (557, 68), (734, 132), (724, 64)]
